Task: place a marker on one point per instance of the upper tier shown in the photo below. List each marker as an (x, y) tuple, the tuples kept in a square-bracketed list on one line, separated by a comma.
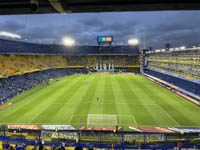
[(8, 47)]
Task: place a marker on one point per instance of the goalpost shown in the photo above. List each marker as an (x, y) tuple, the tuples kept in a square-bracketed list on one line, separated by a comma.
[(101, 121)]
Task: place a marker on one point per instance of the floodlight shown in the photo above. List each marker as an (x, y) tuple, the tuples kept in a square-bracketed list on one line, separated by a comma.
[(133, 41), (162, 50), (177, 48), (182, 47), (67, 41)]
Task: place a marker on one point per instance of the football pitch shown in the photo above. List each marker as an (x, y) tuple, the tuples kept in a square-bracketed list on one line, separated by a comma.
[(101, 101)]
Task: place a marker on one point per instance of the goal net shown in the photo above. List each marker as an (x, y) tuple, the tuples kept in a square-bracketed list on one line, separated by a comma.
[(101, 121)]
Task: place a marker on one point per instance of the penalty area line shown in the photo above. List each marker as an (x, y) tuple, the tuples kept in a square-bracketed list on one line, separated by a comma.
[(70, 118), (134, 119), (168, 115), (38, 114)]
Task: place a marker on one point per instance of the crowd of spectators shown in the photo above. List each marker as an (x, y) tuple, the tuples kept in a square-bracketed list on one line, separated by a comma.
[(35, 147), (20, 64), (186, 64), (92, 61), (14, 85)]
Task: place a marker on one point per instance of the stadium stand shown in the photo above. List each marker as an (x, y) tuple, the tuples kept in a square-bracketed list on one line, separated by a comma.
[(92, 61), (17, 47), (20, 64), (186, 64), (25, 65), (180, 68)]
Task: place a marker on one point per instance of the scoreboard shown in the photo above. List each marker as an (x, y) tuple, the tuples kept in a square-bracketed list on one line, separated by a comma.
[(102, 39)]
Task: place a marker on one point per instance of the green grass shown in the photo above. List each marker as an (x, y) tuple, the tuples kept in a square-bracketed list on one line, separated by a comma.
[(134, 99)]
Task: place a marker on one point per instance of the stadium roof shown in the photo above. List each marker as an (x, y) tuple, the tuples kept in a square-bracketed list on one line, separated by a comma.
[(82, 6)]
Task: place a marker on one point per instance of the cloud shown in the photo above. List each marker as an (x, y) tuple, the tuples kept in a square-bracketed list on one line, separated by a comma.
[(92, 22), (177, 28), (12, 26)]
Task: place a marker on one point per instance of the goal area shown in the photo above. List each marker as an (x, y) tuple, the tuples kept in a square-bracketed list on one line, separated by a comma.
[(101, 121)]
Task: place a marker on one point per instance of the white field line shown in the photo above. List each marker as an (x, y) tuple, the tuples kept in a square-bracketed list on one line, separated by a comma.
[(134, 119), (102, 123), (102, 115), (70, 118), (87, 115), (168, 115)]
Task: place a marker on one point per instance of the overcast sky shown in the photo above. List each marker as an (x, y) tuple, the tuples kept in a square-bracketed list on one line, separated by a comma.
[(175, 27)]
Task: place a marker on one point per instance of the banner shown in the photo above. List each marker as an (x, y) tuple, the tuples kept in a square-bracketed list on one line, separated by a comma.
[(61, 135), (150, 129), (32, 127), (57, 127), (188, 98), (4, 106), (186, 130)]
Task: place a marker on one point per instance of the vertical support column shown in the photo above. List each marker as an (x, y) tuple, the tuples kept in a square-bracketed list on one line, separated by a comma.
[(4, 131), (105, 67), (122, 141), (39, 135), (58, 136), (20, 130), (123, 138), (79, 138), (187, 141), (96, 67), (165, 139), (100, 67), (100, 138)]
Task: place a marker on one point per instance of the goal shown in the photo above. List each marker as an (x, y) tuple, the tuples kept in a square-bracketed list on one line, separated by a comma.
[(101, 121)]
